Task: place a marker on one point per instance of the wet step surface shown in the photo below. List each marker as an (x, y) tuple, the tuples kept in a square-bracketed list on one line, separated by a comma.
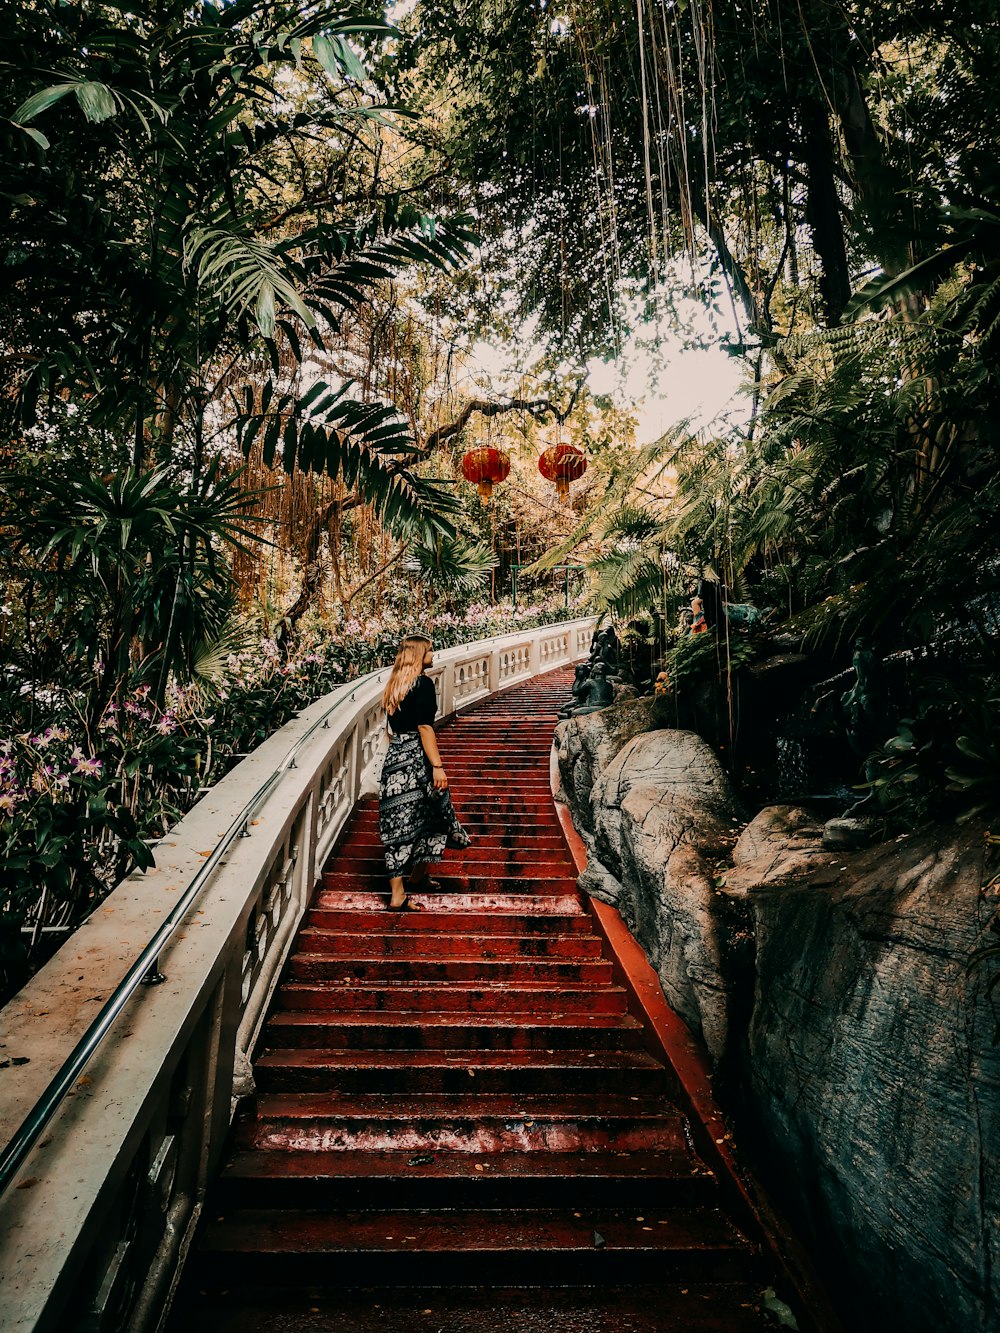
[(459, 1098), (686, 1308)]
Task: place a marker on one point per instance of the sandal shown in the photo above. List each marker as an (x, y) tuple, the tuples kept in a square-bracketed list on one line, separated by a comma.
[(405, 906)]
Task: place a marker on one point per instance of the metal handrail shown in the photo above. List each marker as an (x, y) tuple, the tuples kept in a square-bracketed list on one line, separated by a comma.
[(14, 1154)]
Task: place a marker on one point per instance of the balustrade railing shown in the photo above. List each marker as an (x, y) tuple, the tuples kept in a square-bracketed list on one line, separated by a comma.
[(116, 1099)]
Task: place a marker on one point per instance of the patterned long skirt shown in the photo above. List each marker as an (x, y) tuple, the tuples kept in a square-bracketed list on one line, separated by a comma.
[(415, 820)]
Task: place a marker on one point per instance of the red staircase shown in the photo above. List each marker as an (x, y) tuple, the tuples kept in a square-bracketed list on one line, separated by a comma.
[(458, 1098)]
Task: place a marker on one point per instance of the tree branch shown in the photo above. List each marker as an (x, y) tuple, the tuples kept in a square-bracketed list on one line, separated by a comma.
[(378, 574), (539, 408)]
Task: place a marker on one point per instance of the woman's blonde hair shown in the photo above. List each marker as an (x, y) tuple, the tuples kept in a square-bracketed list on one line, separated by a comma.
[(409, 664)]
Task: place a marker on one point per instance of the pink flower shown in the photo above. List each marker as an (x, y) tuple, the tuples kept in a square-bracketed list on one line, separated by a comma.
[(83, 765)]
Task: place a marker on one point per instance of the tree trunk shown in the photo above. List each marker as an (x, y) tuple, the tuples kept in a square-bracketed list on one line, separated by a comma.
[(823, 211)]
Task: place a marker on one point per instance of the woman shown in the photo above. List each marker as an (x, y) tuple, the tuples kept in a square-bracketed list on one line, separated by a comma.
[(416, 817)]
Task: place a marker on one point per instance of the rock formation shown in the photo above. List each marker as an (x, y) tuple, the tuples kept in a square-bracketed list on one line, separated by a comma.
[(871, 1074), (655, 807), (834, 987)]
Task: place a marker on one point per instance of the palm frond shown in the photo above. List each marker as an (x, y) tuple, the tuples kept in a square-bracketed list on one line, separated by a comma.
[(454, 563), (368, 445)]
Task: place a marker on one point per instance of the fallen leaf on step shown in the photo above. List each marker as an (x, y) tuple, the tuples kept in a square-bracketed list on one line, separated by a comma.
[(779, 1309)]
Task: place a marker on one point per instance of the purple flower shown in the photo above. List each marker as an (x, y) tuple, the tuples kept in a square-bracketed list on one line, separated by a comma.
[(83, 765)]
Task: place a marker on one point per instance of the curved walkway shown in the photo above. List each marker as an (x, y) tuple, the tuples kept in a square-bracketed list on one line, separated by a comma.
[(457, 1122)]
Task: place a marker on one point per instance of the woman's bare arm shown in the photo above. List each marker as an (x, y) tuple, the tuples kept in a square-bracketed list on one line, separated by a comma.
[(429, 741)]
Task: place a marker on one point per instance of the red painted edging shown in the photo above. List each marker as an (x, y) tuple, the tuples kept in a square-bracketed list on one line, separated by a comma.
[(670, 1038)]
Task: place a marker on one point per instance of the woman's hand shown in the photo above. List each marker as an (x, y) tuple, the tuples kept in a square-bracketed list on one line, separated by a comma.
[(440, 778)]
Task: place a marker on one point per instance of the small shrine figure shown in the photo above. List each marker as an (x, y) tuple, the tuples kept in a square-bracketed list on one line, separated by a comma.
[(604, 649), (598, 692), (582, 675), (699, 625)]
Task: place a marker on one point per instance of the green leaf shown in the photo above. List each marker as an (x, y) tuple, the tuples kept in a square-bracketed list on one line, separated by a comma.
[(270, 444), (41, 101), (32, 133), (97, 101), (289, 444), (323, 51), (777, 1307), (348, 60), (265, 310)]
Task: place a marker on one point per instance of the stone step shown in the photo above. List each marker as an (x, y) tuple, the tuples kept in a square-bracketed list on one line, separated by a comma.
[(681, 1306), (519, 1072), (491, 824), (493, 856), (463, 1122), (518, 879), (530, 1246), (380, 1179), (474, 863), (321, 967), (406, 942), (314, 1028), (458, 997), (434, 919), (461, 909), (368, 843)]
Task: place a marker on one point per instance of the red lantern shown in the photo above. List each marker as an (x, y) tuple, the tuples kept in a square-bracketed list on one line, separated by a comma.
[(562, 464), (485, 466)]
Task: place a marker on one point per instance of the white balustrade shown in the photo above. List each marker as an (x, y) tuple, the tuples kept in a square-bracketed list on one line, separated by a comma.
[(92, 1237)]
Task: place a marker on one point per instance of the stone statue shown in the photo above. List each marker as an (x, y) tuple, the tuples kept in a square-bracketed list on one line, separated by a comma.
[(579, 688), (593, 687), (598, 692), (604, 649)]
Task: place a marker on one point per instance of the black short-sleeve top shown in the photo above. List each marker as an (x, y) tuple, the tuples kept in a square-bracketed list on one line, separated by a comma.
[(417, 708)]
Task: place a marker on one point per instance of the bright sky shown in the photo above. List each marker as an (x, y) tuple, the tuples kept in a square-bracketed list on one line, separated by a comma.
[(679, 384), (662, 379)]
